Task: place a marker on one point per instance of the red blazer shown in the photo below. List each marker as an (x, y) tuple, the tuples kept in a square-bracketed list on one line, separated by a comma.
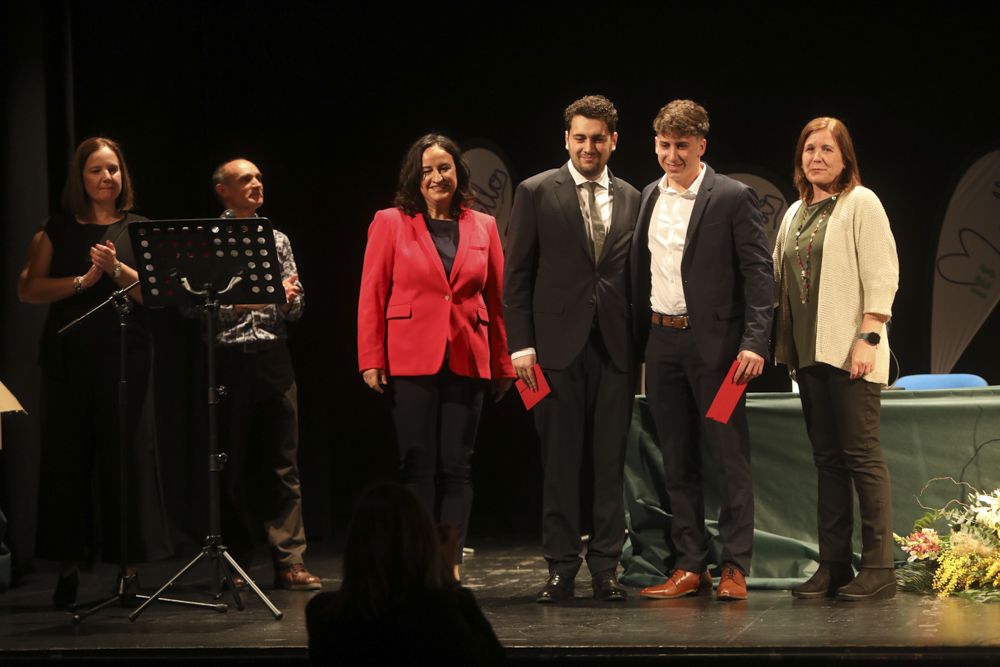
[(409, 311)]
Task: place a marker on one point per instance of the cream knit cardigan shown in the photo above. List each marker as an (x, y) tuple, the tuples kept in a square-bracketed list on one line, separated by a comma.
[(859, 274)]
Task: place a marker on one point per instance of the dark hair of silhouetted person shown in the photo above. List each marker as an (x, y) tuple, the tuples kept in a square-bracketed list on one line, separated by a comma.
[(392, 553), (408, 196)]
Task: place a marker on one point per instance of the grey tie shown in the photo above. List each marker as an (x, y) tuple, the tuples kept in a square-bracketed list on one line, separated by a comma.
[(596, 223)]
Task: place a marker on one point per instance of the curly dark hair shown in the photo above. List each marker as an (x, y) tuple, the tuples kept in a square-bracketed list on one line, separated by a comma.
[(408, 196), (595, 107), (682, 118)]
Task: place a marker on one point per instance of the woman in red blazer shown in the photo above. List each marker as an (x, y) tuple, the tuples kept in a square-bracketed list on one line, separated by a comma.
[(430, 318)]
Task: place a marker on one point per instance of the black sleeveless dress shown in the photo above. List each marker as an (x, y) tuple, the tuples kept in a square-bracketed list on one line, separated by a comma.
[(78, 509)]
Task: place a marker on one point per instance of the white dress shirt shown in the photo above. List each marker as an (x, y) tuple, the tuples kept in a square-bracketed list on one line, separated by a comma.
[(668, 227)]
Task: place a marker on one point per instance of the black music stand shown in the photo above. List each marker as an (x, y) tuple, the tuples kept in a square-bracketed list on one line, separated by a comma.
[(209, 263)]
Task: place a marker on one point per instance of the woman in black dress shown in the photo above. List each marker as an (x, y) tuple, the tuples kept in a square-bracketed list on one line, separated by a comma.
[(79, 258)]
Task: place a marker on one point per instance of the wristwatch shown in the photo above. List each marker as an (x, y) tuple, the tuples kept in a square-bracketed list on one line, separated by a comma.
[(118, 270), (871, 338)]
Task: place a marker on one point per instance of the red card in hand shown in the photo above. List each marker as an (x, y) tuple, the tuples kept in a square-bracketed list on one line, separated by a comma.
[(529, 397), (727, 397)]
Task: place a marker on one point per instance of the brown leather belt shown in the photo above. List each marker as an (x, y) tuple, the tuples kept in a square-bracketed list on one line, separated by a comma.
[(672, 321)]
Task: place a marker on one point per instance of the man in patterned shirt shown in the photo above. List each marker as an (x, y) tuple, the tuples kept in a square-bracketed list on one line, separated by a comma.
[(260, 410)]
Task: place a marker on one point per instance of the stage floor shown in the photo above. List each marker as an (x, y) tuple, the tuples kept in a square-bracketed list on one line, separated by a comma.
[(770, 625)]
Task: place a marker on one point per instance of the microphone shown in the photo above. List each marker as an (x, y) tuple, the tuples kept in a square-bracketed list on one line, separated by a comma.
[(228, 213)]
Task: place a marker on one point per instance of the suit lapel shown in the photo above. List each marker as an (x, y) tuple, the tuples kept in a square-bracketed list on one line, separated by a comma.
[(617, 219), (569, 201), (698, 212), (427, 245), (646, 214), (464, 238)]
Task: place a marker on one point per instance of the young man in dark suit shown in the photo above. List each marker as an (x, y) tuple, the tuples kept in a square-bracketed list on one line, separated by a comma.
[(702, 290), (566, 307)]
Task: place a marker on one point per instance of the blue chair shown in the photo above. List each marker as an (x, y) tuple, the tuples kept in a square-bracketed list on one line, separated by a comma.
[(939, 381)]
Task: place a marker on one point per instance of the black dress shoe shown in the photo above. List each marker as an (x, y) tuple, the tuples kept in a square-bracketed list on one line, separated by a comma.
[(872, 583), (66, 587), (558, 588), (607, 588), (825, 582)]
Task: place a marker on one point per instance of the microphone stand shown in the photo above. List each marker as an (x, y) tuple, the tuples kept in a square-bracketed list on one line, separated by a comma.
[(123, 594)]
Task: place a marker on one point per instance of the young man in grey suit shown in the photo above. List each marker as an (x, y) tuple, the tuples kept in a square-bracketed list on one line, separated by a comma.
[(566, 307), (702, 291)]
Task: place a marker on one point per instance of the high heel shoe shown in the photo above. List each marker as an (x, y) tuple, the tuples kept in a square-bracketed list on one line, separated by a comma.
[(66, 587), (130, 579)]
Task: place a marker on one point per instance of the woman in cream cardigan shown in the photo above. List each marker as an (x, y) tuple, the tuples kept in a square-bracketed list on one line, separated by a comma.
[(836, 273)]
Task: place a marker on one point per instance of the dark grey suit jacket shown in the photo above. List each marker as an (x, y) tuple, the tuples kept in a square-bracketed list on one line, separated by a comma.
[(726, 271), (553, 291)]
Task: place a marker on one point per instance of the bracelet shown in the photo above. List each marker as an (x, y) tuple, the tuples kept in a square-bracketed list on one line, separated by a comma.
[(78, 284), (118, 270)]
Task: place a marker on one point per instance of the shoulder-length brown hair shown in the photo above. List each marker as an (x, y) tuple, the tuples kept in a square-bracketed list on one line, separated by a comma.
[(75, 199), (393, 552), (408, 196), (849, 178)]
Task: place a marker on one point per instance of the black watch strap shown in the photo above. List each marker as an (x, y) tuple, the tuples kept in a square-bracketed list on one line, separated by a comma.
[(870, 337)]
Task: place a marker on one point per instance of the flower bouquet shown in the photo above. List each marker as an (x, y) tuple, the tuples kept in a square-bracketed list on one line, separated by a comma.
[(963, 560)]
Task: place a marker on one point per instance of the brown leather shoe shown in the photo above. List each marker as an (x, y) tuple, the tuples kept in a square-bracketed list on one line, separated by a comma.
[(732, 585), (296, 578), (680, 583)]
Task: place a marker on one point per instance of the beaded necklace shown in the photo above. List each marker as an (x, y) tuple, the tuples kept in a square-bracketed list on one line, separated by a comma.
[(805, 266)]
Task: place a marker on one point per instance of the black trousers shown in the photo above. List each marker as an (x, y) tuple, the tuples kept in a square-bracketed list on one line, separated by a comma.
[(680, 388), (260, 432), (436, 418), (842, 419), (585, 417)]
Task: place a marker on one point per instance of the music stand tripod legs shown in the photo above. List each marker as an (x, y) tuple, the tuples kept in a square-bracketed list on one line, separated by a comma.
[(214, 548)]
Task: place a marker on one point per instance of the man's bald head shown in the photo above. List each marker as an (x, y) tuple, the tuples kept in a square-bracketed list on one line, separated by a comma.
[(239, 186)]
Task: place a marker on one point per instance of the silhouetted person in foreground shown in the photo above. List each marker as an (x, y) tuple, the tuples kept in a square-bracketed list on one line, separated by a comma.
[(398, 602)]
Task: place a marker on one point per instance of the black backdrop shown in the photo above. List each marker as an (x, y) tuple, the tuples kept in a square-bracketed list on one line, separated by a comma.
[(325, 97)]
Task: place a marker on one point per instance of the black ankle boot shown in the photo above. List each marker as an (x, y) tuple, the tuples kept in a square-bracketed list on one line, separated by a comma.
[(872, 583), (825, 582), (66, 587)]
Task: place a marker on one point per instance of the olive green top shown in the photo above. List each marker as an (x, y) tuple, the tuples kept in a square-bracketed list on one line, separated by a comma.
[(808, 220)]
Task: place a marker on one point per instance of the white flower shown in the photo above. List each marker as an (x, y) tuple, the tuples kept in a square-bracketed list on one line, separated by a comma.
[(988, 511)]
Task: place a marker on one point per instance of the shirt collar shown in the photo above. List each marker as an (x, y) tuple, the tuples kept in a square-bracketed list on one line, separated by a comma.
[(691, 192), (580, 179)]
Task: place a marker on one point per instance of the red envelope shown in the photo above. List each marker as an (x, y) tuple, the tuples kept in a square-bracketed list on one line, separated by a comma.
[(727, 397), (529, 397)]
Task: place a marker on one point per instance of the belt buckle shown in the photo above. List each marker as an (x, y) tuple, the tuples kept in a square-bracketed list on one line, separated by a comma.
[(680, 322)]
